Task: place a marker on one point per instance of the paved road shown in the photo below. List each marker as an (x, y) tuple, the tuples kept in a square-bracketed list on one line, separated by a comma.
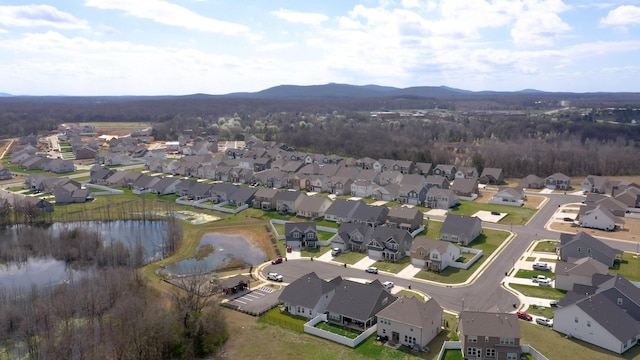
[(485, 293)]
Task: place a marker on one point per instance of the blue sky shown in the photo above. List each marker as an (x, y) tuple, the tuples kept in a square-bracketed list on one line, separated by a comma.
[(177, 47)]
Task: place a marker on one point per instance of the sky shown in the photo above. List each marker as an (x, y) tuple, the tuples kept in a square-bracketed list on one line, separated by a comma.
[(180, 47)]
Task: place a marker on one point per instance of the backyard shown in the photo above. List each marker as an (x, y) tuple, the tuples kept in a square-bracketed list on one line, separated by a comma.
[(517, 215)]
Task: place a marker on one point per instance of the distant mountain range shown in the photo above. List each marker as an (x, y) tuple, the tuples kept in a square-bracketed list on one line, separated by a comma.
[(347, 91)]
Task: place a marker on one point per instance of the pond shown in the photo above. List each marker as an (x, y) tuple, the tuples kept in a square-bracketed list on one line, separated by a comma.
[(226, 251), (36, 272)]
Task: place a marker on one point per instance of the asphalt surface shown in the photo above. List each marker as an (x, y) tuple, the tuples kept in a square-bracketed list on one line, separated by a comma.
[(485, 292)]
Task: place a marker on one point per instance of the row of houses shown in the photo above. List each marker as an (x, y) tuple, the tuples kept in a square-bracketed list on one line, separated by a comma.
[(28, 159), (599, 308), (605, 211), (64, 190)]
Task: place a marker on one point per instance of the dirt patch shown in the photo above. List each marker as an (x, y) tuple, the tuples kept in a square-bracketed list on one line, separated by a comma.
[(484, 196), (630, 232), (533, 202)]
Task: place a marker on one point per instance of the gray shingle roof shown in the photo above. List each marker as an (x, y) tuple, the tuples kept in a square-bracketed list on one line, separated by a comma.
[(357, 300), (458, 224), (474, 323), (412, 312), (307, 290)]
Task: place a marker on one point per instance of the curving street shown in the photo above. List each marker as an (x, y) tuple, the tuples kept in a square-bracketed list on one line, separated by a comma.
[(484, 292)]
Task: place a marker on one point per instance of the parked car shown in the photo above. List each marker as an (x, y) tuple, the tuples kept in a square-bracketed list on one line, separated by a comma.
[(553, 303), (495, 213), (274, 276), (545, 282), (277, 260), (524, 316), (543, 266), (568, 219), (539, 278), (387, 285), (372, 270), (336, 251), (544, 321)]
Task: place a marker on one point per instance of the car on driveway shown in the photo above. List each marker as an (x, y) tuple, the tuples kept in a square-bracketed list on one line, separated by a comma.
[(277, 260), (387, 285), (543, 266), (544, 321), (524, 316), (336, 251), (371, 270), (539, 278), (553, 303), (275, 277)]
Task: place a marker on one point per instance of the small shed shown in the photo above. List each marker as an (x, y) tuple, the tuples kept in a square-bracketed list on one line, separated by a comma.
[(234, 284)]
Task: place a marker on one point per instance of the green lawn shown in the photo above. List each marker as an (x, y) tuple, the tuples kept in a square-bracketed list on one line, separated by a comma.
[(433, 229), (315, 252), (545, 311), (391, 266), (546, 246), (324, 235), (327, 223), (517, 215), (528, 274), (337, 329), (629, 267), (452, 355), (488, 242), (539, 291), (350, 257)]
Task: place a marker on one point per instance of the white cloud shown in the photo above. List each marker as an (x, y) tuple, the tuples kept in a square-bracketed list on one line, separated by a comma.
[(410, 4), (39, 15), (300, 17), (622, 16), (169, 14)]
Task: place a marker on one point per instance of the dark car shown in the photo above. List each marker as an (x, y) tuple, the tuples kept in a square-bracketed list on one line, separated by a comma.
[(495, 213), (277, 260), (568, 219), (524, 316)]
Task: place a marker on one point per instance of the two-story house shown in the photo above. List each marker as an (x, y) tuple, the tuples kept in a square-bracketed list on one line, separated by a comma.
[(432, 254), (406, 218), (410, 322), (558, 181), (441, 198), (389, 244), (460, 229), (487, 335), (300, 235)]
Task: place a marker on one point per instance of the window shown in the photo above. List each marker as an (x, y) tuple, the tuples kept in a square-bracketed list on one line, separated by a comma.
[(471, 351), (588, 323), (512, 356), (486, 339), (490, 352), (579, 249), (472, 339), (619, 302), (576, 319), (296, 234), (507, 341)]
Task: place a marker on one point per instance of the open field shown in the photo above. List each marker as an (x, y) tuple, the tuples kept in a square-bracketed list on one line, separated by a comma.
[(117, 128), (630, 232)]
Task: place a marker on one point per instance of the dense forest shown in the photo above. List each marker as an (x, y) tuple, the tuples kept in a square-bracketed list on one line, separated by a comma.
[(522, 133)]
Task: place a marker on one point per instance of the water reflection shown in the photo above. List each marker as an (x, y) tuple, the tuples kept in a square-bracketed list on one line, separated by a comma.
[(38, 272), (227, 250)]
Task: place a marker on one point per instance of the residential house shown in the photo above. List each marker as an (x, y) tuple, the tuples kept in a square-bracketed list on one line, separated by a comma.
[(265, 199), (446, 171), (5, 174), (436, 181), (261, 164), (558, 181), (71, 192), (629, 196), (84, 152), (441, 198), (422, 168), (182, 188), (371, 176), (432, 254), (199, 191), (144, 183), (466, 189), (598, 217), (596, 184), (123, 178), (300, 235), (487, 335), (362, 188), (404, 166), (33, 162), (352, 237), (390, 192), (508, 196), (313, 207), (532, 182), (243, 195), (412, 194), (368, 163), (59, 166), (578, 271), (606, 315), (406, 218), (34, 181), (329, 170), (460, 229), (340, 185), (356, 304), (410, 322), (220, 192), (318, 183), (491, 176), (390, 244), (101, 175), (584, 245), (342, 210), (390, 177), (288, 201), (370, 215), (166, 185), (467, 172), (308, 295)]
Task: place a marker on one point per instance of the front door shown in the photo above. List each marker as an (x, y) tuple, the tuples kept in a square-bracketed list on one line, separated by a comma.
[(395, 337)]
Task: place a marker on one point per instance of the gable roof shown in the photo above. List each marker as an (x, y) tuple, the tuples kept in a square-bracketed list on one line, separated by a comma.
[(289, 195), (585, 240), (584, 266), (464, 185), (403, 212), (430, 244), (243, 193), (357, 300), (458, 224), (476, 323), (411, 311), (610, 316), (312, 203), (491, 172), (367, 213), (307, 290), (266, 193)]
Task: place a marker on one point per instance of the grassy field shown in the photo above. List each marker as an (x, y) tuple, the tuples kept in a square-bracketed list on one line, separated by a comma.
[(528, 274), (350, 257), (629, 267), (539, 291), (546, 246), (488, 242), (393, 267), (517, 215)]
